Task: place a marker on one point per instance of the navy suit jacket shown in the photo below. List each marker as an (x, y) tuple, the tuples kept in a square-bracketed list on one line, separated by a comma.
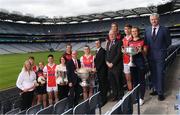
[(158, 46)]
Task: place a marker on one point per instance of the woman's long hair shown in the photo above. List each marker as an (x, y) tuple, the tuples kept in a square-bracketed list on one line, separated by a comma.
[(24, 66)]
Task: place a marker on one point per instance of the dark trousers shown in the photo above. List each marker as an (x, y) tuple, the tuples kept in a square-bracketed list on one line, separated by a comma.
[(157, 68), (138, 75), (116, 84), (27, 98), (63, 91), (103, 86), (74, 95)]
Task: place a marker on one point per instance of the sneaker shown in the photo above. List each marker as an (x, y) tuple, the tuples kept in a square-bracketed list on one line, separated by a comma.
[(141, 101)]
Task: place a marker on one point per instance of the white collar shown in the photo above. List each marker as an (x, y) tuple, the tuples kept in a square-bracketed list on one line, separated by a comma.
[(74, 59), (51, 65), (157, 27), (98, 49)]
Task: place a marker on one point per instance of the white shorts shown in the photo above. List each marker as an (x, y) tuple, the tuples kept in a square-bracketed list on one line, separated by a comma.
[(126, 69), (50, 89)]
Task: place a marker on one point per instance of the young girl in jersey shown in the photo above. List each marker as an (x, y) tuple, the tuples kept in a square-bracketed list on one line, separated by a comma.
[(138, 72), (49, 72), (41, 89), (87, 61)]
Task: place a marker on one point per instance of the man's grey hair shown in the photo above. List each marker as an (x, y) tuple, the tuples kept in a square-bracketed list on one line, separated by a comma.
[(155, 14)]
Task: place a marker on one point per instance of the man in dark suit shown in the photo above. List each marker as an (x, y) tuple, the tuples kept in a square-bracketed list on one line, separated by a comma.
[(158, 40), (73, 79), (114, 62), (101, 69)]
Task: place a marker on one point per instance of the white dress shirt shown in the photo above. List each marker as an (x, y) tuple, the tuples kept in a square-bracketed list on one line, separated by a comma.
[(75, 62), (97, 50), (26, 80), (157, 28)]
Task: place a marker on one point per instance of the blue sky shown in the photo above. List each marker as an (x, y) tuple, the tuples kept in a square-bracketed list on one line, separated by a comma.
[(65, 8)]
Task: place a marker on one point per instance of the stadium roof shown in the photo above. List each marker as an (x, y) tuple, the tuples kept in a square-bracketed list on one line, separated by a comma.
[(18, 16)]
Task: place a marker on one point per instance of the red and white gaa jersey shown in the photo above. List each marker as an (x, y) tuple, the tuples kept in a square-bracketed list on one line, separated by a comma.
[(51, 78), (126, 57), (87, 61)]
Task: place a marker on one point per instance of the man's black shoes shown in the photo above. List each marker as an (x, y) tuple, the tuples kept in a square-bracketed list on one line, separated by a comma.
[(153, 93), (161, 97)]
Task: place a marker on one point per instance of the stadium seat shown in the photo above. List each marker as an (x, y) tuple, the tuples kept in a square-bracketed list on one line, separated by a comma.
[(127, 105), (34, 109), (17, 103), (135, 94), (22, 112), (61, 106), (135, 97), (68, 112), (82, 108), (117, 109), (13, 111), (47, 110), (6, 106), (94, 102)]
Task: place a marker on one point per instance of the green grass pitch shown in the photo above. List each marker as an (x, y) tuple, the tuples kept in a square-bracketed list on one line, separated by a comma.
[(11, 65)]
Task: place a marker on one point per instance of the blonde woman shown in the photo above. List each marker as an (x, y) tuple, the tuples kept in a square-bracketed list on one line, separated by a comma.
[(26, 83)]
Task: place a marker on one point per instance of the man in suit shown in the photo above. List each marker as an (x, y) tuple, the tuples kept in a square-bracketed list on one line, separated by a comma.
[(114, 62), (101, 68), (158, 40), (73, 79)]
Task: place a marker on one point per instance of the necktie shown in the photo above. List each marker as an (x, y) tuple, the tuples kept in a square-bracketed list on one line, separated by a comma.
[(76, 64), (96, 52), (154, 33), (111, 43)]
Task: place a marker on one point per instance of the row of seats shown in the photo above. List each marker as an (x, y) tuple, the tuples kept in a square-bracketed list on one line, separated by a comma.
[(9, 99), (35, 47), (125, 106), (62, 107)]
